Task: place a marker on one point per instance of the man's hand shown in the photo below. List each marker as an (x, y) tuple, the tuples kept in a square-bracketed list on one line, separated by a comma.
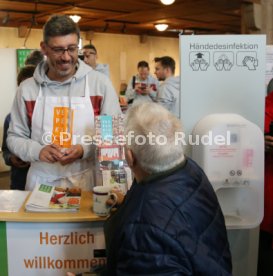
[(143, 89), (268, 143), (17, 162), (120, 198), (146, 91), (51, 153), (70, 155)]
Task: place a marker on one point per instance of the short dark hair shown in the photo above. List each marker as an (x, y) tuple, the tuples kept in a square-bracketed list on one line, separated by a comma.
[(34, 58), (166, 62), (25, 73), (143, 63), (90, 46), (60, 25)]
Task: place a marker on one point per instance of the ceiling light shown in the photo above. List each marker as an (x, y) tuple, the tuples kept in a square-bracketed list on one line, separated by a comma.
[(75, 18), (167, 2), (161, 27)]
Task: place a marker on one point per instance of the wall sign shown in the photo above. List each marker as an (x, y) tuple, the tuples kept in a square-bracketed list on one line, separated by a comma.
[(222, 74), (21, 57)]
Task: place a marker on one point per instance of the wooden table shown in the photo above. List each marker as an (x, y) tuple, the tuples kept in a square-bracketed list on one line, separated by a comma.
[(50, 244), (84, 214)]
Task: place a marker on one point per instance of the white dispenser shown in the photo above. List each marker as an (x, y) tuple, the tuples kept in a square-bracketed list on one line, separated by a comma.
[(230, 149)]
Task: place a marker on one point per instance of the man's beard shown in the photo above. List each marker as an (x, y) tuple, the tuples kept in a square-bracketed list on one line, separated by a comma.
[(62, 73), (161, 78)]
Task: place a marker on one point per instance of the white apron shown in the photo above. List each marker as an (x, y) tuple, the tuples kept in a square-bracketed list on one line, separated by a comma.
[(45, 119)]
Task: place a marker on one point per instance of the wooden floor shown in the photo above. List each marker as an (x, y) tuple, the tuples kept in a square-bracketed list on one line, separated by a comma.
[(4, 180)]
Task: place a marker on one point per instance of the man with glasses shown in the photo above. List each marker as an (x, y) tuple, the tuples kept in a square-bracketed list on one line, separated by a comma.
[(52, 118), (90, 56)]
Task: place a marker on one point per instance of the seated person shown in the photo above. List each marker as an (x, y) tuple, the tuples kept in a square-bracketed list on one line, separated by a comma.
[(143, 86), (170, 221)]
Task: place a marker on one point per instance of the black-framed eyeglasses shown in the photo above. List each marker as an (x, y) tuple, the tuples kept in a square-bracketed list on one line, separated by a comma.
[(87, 54), (58, 51)]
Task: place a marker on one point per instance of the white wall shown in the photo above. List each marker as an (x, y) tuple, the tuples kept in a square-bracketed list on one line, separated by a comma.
[(7, 88)]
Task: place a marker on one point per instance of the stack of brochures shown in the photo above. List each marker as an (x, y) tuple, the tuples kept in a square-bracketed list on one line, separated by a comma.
[(112, 167), (48, 198)]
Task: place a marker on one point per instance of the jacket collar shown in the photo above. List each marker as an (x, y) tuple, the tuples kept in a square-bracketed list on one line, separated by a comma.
[(163, 174)]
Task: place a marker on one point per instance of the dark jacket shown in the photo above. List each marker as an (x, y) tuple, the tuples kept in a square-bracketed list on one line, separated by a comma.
[(169, 224), (18, 176)]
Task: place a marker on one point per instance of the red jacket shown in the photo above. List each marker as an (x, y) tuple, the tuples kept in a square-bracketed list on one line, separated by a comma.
[(267, 223)]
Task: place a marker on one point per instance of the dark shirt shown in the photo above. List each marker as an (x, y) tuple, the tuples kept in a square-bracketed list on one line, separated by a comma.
[(18, 175)]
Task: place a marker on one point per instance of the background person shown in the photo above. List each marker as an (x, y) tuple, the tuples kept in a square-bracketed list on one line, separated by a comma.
[(63, 96), (265, 265), (90, 56), (34, 58), (143, 86), (19, 168), (169, 90)]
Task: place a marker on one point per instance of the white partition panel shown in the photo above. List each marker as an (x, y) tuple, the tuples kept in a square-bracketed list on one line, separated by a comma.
[(225, 74), (7, 88)]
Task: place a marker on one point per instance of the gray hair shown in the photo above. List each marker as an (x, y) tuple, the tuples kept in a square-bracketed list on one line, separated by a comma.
[(150, 118), (60, 25)]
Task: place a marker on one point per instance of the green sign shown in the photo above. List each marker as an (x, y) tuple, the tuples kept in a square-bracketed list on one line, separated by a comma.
[(21, 57), (3, 249)]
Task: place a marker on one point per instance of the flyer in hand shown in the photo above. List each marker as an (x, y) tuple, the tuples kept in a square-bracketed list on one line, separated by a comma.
[(48, 198)]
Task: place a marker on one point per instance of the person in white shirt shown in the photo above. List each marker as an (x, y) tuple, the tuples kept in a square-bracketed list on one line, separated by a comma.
[(169, 90), (143, 86), (90, 56)]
